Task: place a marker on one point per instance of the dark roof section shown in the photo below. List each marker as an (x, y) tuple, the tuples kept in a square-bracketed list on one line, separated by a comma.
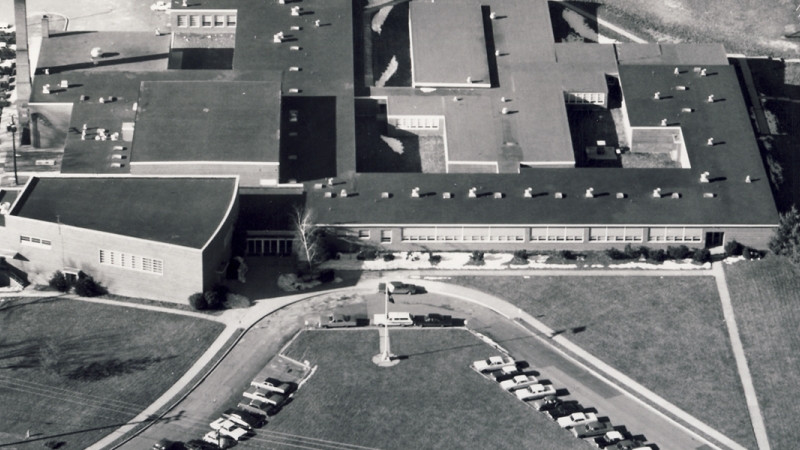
[(208, 121), (672, 54), (447, 44), (178, 211), (65, 52)]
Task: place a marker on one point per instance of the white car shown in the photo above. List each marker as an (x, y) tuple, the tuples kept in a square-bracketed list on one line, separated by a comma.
[(535, 392), (493, 363), (161, 6), (228, 428), (270, 397), (395, 319), (576, 419), (212, 437), (518, 382)]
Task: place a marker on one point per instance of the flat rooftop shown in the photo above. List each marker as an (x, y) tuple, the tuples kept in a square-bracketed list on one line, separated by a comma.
[(208, 121), (672, 54), (448, 45), (178, 211), (65, 52)]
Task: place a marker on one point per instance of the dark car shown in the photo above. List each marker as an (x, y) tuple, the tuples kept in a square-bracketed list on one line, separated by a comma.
[(398, 288), (564, 409), (592, 429), (166, 444), (197, 444), (628, 444), (433, 320), (547, 403), (239, 415), (337, 321)]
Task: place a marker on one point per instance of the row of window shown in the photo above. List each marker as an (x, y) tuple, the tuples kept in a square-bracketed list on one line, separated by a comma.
[(35, 242), (206, 21), (583, 98), (133, 262), (417, 123), (541, 234)]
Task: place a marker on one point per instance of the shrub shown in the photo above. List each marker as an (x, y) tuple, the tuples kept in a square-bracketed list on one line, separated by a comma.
[(476, 256), (59, 282), (521, 255), (658, 255), (87, 287), (630, 252), (434, 259), (198, 301), (566, 254), (701, 255), (388, 257), (326, 276), (613, 253), (679, 252), (213, 299), (643, 251), (786, 238), (733, 248)]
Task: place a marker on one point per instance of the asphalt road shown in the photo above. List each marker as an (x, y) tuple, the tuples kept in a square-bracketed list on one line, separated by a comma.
[(224, 386)]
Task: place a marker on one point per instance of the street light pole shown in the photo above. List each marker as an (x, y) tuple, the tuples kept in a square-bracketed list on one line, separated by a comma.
[(13, 129), (386, 353)]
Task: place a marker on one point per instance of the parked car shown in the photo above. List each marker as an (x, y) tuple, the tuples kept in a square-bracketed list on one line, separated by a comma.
[(213, 438), (166, 444), (546, 403), (274, 385), (270, 397), (337, 321), (592, 429), (629, 444), (535, 391), (433, 320), (575, 419), (398, 288), (611, 437), (197, 444), (518, 382), (161, 6), (395, 319), (564, 409), (257, 408), (493, 363), (228, 428), (243, 418), (505, 373)]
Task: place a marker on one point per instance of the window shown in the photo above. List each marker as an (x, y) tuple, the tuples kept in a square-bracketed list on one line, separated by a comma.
[(507, 234), (182, 21), (616, 234), (558, 234), (676, 234), (417, 123), (232, 21), (363, 234), (419, 234), (219, 21), (386, 236), (585, 98), (132, 262), (35, 242), (194, 21)]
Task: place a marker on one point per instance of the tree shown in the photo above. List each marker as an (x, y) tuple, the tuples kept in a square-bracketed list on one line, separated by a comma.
[(59, 282), (198, 301), (786, 238), (307, 236), (86, 286)]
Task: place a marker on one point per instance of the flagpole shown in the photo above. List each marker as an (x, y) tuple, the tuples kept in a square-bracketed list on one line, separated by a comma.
[(386, 311)]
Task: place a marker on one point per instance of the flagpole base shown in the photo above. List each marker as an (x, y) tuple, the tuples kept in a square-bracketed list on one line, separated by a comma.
[(381, 360)]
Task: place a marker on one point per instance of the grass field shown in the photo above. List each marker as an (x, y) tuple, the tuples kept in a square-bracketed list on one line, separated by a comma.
[(666, 333), (751, 27), (432, 399), (766, 301), (73, 371)]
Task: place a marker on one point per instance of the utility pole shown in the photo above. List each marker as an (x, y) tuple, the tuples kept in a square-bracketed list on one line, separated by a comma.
[(12, 128)]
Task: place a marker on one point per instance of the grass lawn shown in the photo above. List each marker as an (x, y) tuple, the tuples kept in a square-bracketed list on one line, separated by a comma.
[(430, 400), (73, 371), (766, 301), (666, 333)]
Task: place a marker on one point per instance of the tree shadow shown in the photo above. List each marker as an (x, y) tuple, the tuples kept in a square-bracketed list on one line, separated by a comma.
[(100, 370)]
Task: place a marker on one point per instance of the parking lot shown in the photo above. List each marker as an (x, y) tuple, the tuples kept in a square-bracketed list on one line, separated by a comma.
[(224, 387)]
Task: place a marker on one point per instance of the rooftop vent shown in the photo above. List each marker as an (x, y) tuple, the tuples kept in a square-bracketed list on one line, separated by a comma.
[(329, 195), (680, 88), (675, 195), (498, 195), (528, 193), (503, 99), (447, 195), (46, 89), (294, 91), (294, 69), (64, 84), (117, 156), (709, 195), (504, 111), (295, 10), (493, 15), (384, 195), (330, 181), (620, 195), (295, 28), (590, 193), (657, 96), (696, 70), (343, 193), (558, 195), (677, 71), (663, 122), (747, 179), (473, 192), (415, 193), (703, 72), (710, 99), (118, 148), (84, 98), (293, 134), (710, 142), (704, 177), (657, 193), (278, 37), (317, 185), (686, 110)]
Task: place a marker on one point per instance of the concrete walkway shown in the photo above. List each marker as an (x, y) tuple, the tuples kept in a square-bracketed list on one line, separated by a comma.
[(756, 417)]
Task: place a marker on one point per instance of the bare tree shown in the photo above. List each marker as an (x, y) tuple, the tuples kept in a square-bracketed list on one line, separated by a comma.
[(307, 236)]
